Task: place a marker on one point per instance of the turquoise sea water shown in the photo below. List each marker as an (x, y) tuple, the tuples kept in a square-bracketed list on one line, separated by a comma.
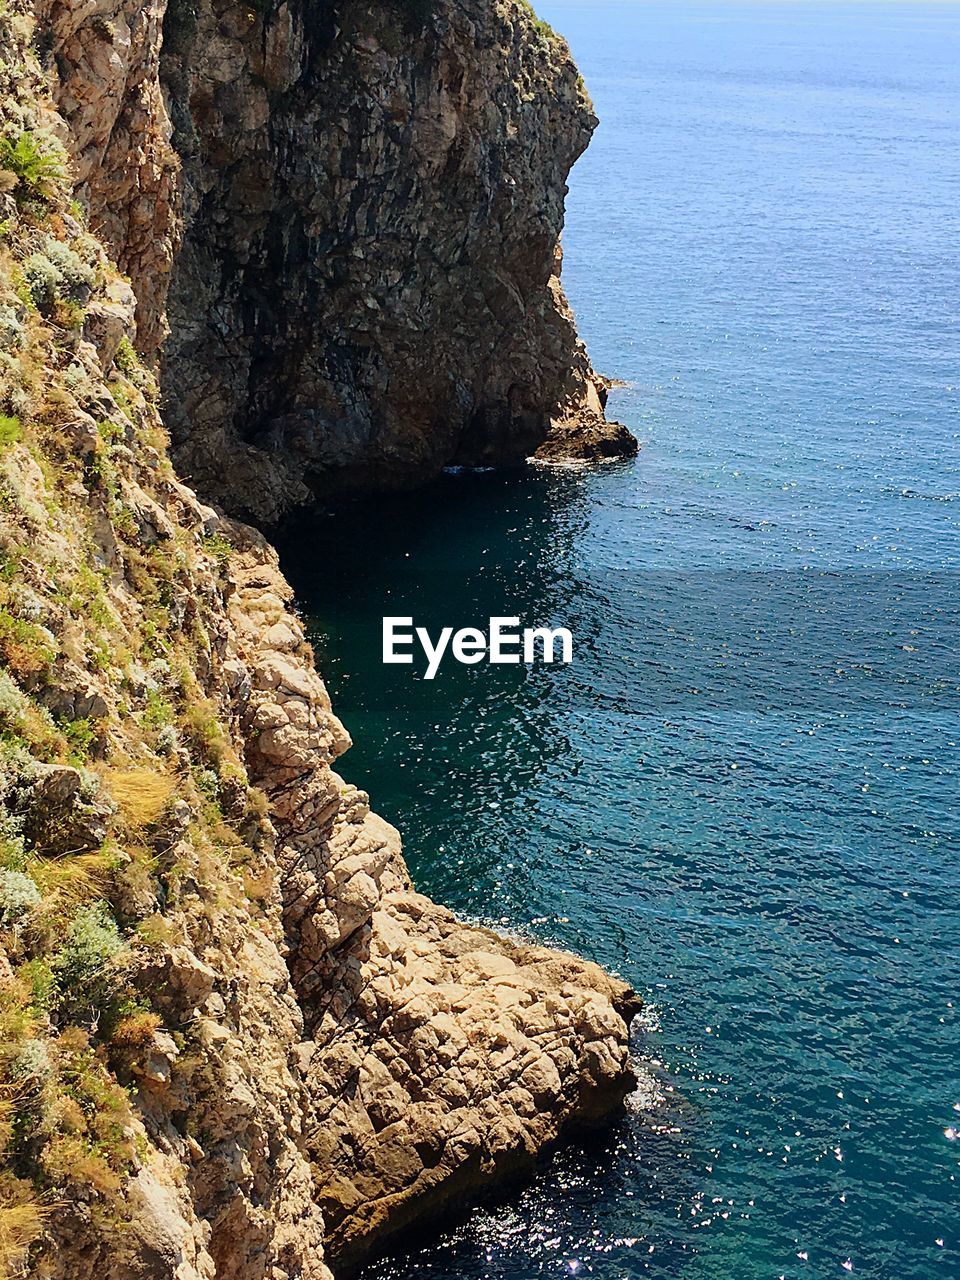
[(743, 794)]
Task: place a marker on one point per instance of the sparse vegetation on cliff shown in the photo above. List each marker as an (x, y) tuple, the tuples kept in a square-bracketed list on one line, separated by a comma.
[(159, 1086), (540, 25), (118, 786), (37, 161)]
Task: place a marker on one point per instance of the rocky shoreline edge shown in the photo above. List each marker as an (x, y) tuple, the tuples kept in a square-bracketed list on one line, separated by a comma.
[(440, 1057), (237, 1042)]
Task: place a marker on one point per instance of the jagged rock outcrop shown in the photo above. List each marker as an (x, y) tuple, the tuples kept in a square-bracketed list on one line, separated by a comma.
[(237, 1041), (115, 125), (368, 285), (446, 1058), (369, 198), (439, 1056)]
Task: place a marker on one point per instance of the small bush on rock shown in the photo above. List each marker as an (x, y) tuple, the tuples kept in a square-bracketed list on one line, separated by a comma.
[(202, 729), (136, 1031), (25, 649), (32, 1063), (85, 977), (13, 335), (9, 431), (37, 160), (56, 272), (92, 1147), (18, 896)]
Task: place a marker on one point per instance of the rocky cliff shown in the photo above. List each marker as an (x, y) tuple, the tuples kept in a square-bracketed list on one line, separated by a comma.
[(362, 206), (234, 1041)]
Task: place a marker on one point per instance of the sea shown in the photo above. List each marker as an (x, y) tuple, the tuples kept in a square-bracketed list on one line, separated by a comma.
[(742, 794)]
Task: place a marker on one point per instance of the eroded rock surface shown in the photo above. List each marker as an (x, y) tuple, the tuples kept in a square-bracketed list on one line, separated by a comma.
[(446, 1057), (368, 287), (238, 1040), (369, 198), (438, 1056)]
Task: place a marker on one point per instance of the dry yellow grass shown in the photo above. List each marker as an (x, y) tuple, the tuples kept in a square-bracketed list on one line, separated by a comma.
[(21, 1214), (140, 794), (73, 880), (20, 1224), (136, 1031)]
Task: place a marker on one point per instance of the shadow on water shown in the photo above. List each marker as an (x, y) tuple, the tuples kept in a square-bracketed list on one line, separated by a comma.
[(454, 554)]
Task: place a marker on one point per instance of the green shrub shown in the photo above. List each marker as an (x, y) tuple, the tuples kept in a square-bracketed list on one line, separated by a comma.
[(24, 648), (28, 727), (541, 27), (13, 852), (41, 278), (56, 272), (157, 712), (78, 276), (203, 731), (179, 23), (126, 359), (37, 160), (111, 433), (218, 548), (13, 848), (156, 932), (92, 1146), (81, 734), (32, 1063), (84, 976), (11, 703), (18, 896), (10, 431), (39, 979)]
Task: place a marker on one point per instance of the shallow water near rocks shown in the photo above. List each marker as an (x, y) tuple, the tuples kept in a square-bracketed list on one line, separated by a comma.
[(742, 795)]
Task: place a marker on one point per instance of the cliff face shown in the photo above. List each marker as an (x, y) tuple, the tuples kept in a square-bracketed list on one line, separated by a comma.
[(370, 203), (374, 196), (233, 1040)]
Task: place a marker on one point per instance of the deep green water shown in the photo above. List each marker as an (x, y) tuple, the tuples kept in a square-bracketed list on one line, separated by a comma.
[(743, 795)]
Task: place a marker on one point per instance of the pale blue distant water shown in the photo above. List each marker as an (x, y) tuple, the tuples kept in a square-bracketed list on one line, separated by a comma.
[(743, 795)]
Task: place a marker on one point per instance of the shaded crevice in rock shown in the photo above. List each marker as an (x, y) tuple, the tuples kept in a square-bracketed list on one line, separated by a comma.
[(368, 288)]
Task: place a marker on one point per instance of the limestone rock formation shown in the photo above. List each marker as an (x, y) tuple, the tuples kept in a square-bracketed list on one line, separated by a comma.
[(368, 287), (234, 1041), (439, 1056), (369, 198), (444, 1058)]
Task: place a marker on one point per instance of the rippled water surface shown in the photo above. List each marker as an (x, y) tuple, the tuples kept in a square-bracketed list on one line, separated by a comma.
[(743, 793)]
